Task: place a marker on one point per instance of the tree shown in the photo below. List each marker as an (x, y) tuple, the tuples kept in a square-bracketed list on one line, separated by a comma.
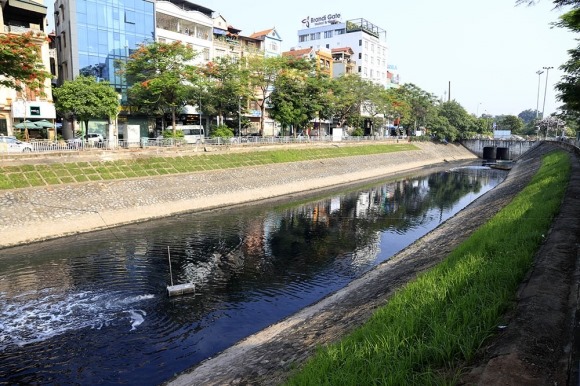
[(528, 116), (160, 76), (458, 118), (84, 98), (262, 74), (346, 94), (511, 122), (420, 105), (440, 128), (21, 63), (225, 82), (289, 99), (569, 86)]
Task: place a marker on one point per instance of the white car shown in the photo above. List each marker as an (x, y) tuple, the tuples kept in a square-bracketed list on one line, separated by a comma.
[(12, 145), (94, 138)]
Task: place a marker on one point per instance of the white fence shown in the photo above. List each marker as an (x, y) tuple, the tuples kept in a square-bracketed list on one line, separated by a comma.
[(77, 145)]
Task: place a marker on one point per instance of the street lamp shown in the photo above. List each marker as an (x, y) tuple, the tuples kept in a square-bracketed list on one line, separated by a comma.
[(545, 89), (477, 111), (239, 117), (539, 72), (116, 133)]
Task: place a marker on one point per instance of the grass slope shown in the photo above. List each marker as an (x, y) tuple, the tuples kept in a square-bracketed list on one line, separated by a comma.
[(26, 176)]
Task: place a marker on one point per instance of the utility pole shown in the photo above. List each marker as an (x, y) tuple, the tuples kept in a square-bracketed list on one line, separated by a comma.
[(545, 89), (539, 72), (449, 94)]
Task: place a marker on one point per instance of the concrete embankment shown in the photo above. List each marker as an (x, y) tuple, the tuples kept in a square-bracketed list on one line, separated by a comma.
[(36, 214)]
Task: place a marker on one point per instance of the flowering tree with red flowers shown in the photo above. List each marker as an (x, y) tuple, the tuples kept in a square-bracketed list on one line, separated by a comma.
[(20, 61)]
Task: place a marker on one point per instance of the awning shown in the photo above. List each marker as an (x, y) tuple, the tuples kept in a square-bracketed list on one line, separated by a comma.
[(218, 31)]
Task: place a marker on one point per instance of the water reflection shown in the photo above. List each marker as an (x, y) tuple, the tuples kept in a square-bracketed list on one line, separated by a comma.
[(93, 309)]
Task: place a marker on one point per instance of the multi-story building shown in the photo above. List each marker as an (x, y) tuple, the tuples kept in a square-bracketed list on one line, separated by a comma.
[(91, 35), (322, 57), (16, 18), (342, 62), (271, 42), (367, 41), (192, 24)]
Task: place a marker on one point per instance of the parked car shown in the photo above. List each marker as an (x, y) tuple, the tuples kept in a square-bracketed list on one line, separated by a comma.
[(94, 138), (12, 145)]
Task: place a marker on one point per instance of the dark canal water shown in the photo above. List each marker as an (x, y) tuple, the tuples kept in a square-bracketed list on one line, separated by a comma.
[(93, 309)]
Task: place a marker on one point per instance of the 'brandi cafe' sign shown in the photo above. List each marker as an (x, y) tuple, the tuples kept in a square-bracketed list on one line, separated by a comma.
[(331, 18)]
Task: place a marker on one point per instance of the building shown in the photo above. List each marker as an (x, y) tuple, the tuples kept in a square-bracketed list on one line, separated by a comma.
[(192, 24), (18, 17), (367, 41), (322, 57), (342, 62), (92, 35), (393, 80), (271, 42)]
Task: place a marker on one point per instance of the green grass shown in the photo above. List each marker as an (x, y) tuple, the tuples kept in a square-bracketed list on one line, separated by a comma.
[(436, 323), (25, 176)]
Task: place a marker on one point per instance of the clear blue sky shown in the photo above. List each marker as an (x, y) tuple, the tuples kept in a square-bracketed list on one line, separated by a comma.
[(487, 50)]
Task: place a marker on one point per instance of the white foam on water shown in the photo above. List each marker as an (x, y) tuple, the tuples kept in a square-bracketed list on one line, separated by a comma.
[(30, 318), (137, 317)]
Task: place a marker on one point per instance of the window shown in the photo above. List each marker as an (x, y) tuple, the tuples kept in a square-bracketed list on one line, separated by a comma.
[(327, 46), (303, 38), (327, 34), (360, 55), (360, 42), (359, 69), (129, 17)]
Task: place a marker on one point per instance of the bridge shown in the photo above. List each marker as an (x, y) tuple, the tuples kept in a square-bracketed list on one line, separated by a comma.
[(498, 149)]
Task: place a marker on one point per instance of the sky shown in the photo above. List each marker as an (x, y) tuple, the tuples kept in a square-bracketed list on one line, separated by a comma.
[(485, 52)]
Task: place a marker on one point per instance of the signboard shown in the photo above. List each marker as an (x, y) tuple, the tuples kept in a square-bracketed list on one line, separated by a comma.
[(502, 134), (36, 109), (331, 18)]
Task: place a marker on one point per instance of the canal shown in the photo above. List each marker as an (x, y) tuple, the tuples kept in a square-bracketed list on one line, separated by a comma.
[(93, 308)]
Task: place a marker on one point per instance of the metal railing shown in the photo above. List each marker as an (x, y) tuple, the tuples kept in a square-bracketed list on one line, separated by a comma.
[(79, 145)]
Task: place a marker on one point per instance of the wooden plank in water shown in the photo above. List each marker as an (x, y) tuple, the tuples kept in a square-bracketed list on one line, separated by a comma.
[(180, 289)]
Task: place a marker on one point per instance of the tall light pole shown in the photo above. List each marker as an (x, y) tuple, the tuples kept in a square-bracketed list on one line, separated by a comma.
[(239, 118), (539, 72), (545, 89)]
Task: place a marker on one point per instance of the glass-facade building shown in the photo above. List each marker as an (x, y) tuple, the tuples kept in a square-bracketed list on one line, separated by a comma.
[(93, 34)]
